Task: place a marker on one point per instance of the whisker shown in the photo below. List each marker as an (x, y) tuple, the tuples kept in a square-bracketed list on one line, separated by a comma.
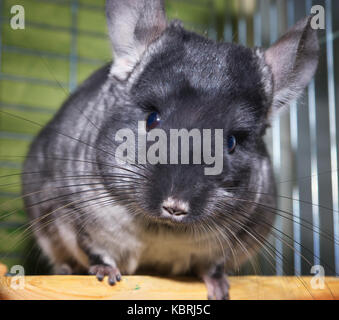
[(116, 179), (249, 256), (77, 160), (326, 235), (283, 197), (264, 241), (273, 228)]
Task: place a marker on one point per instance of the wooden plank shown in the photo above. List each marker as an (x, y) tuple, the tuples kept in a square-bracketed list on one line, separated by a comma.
[(147, 287)]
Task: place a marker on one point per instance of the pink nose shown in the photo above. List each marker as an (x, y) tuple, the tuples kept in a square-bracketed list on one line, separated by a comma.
[(174, 211), (174, 208)]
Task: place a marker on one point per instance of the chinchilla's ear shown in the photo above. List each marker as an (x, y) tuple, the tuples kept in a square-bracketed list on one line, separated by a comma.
[(133, 25), (293, 61)]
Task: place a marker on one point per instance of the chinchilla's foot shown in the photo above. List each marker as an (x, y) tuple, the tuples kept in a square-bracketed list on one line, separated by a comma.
[(217, 284), (102, 270), (217, 288)]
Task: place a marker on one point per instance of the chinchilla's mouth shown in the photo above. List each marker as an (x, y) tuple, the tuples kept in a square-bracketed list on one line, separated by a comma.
[(154, 221)]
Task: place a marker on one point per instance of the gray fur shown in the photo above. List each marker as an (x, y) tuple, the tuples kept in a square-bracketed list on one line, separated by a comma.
[(80, 211)]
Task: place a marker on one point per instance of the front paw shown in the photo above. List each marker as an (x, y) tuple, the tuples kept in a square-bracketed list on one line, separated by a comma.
[(217, 289), (217, 284), (102, 270)]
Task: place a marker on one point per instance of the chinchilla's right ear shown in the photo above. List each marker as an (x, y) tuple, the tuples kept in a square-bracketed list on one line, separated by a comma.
[(293, 61), (133, 25)]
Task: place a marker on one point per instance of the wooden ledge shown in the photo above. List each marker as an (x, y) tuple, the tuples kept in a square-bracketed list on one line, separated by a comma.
[(149, 288)]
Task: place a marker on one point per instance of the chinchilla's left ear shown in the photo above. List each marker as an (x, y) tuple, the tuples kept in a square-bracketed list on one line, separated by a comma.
[(133, 25), (293, 61)]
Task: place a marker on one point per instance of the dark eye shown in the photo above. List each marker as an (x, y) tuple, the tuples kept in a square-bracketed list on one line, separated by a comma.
[(231, 143), (152, 121)]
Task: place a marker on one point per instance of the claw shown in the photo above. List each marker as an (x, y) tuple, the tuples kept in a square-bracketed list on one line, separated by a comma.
[(100, 271)]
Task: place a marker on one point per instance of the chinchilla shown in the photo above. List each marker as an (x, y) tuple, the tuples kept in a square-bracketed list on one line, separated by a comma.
[(93, 213)]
